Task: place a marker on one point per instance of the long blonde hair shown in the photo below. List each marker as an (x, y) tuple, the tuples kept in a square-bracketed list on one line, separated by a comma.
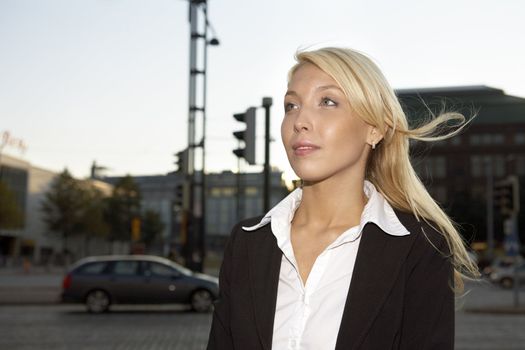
[(389, 167)]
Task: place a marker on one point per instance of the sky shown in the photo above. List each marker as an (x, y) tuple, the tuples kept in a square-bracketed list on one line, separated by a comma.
[(107, 80)]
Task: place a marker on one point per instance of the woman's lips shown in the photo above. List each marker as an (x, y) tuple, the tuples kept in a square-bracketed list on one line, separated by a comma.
[(304, 151), (304, 148)]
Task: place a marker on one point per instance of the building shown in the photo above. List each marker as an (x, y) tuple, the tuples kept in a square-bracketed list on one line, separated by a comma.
[(223, 207), (28, 237), (457, 170)]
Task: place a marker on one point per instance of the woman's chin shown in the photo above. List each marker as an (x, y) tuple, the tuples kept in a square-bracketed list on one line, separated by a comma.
[(310, 177)]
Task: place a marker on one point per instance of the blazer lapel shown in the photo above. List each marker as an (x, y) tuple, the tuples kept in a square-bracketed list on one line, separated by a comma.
[(264, 266), (377, 266)]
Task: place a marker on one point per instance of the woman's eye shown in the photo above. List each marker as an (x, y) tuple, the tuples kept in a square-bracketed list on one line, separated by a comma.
[(328, 102), (289, 106)]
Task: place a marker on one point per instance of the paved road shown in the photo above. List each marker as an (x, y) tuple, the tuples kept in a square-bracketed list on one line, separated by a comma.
[(152, 327), (52, 326), (130, 328)]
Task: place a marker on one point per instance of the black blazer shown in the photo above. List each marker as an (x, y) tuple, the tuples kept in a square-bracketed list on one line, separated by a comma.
[(400, 295)]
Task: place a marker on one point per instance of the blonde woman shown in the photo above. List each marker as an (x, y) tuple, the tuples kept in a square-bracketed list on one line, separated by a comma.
[(361, 256)]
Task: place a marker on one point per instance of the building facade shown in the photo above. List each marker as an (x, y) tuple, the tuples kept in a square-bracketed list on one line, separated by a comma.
[(223, 207), (491, 147), (29, 238)]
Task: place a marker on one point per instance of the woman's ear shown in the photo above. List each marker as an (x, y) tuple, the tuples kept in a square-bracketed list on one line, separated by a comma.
[(374, 136)]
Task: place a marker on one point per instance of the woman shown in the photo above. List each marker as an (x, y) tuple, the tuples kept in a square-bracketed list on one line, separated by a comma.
[(360, 257)]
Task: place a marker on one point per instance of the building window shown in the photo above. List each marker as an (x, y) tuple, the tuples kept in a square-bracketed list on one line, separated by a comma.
[(498, 164), (251, 191), (228, 191), (520, 165), (519, 138), (476, 166), (455, 141), (498, 139), (475, 140), (434, 167), (486, 139)]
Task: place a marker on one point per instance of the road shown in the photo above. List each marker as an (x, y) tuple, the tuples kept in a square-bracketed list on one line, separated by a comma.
[(484, 321), (130, 328)]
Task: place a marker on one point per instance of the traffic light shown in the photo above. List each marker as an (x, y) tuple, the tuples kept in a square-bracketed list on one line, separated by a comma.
[(506, 196), (247, 135), (135, 229), (182, 161), (179, 196)]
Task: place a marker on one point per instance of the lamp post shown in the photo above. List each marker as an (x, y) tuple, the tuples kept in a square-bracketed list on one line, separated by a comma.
[(267, 103), (197, 224)]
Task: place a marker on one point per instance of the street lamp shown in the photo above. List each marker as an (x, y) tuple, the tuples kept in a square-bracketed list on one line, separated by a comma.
[(192, 145)]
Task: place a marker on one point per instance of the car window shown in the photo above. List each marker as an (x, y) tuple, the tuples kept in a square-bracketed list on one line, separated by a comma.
[(95, 268), (161, 270), (126, 268)]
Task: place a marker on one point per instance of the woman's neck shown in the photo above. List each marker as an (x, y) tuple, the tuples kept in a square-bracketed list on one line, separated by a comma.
[(331, 203)]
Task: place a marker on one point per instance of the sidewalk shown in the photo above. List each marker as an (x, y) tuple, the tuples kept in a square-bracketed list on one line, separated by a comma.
[(485, 298), (39, 285), (43, 286)]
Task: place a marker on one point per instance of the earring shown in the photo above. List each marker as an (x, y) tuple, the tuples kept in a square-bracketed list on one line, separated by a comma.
[(373, 145)]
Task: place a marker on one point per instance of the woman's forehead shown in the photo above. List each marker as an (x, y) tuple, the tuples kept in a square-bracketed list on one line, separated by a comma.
[(309, 73)]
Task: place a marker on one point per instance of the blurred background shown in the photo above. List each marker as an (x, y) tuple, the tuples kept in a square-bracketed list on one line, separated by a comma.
[(151, 127)]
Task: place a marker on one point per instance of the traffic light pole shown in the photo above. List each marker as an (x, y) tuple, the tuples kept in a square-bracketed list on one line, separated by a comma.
[(267, 103), (490, 209), (509, 203)]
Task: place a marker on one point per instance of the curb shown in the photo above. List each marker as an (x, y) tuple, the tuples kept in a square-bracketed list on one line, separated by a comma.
[(497, 310)]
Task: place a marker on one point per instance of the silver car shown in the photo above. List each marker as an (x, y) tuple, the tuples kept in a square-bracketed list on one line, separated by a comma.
[(505, 275), (136, 279)]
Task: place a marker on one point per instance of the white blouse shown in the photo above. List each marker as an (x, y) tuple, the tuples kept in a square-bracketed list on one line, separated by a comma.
[(308, 317)]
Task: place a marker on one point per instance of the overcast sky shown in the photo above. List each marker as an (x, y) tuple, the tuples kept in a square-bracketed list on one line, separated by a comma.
[(107, 80)]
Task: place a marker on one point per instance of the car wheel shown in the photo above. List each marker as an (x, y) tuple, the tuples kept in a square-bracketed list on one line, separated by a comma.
[(507, 282), (201, 300), (97, 301)]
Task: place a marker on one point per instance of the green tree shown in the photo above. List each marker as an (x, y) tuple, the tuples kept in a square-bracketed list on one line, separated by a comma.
[(64, 207), (122, 207), (10, 214), (151, 227), (93, 222)]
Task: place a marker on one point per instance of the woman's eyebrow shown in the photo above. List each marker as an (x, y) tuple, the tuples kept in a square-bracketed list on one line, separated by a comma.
[(327, 87), (319, 88)]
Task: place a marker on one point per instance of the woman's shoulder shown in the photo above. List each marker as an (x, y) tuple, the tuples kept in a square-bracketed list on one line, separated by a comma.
[(248, 222), (238, 228), (426, 234)]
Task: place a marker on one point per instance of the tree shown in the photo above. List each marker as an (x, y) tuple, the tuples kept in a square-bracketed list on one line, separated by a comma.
[(11, 215), (93, 223), (64, 206), (152, 226), (122, 207)]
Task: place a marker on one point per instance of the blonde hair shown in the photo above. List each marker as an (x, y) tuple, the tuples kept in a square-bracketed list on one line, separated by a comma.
[(389, 167)]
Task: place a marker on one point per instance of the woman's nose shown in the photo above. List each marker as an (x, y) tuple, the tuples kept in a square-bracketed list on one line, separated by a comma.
[(302, 122)]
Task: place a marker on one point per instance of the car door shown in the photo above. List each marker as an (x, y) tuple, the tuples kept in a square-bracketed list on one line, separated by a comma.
[(126, 280), (162, 283)]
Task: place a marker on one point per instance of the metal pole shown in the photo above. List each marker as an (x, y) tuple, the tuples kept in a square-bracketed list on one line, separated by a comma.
[(191, 132), (267, 103), (514, 219), (490, 208), (238, 178), (202, 231)]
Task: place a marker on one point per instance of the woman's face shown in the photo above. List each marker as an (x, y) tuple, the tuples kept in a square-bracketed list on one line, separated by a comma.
[(321, 134)]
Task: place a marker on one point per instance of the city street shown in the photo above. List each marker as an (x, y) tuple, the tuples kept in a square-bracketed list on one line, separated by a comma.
[(132, 327), (485, 320)]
